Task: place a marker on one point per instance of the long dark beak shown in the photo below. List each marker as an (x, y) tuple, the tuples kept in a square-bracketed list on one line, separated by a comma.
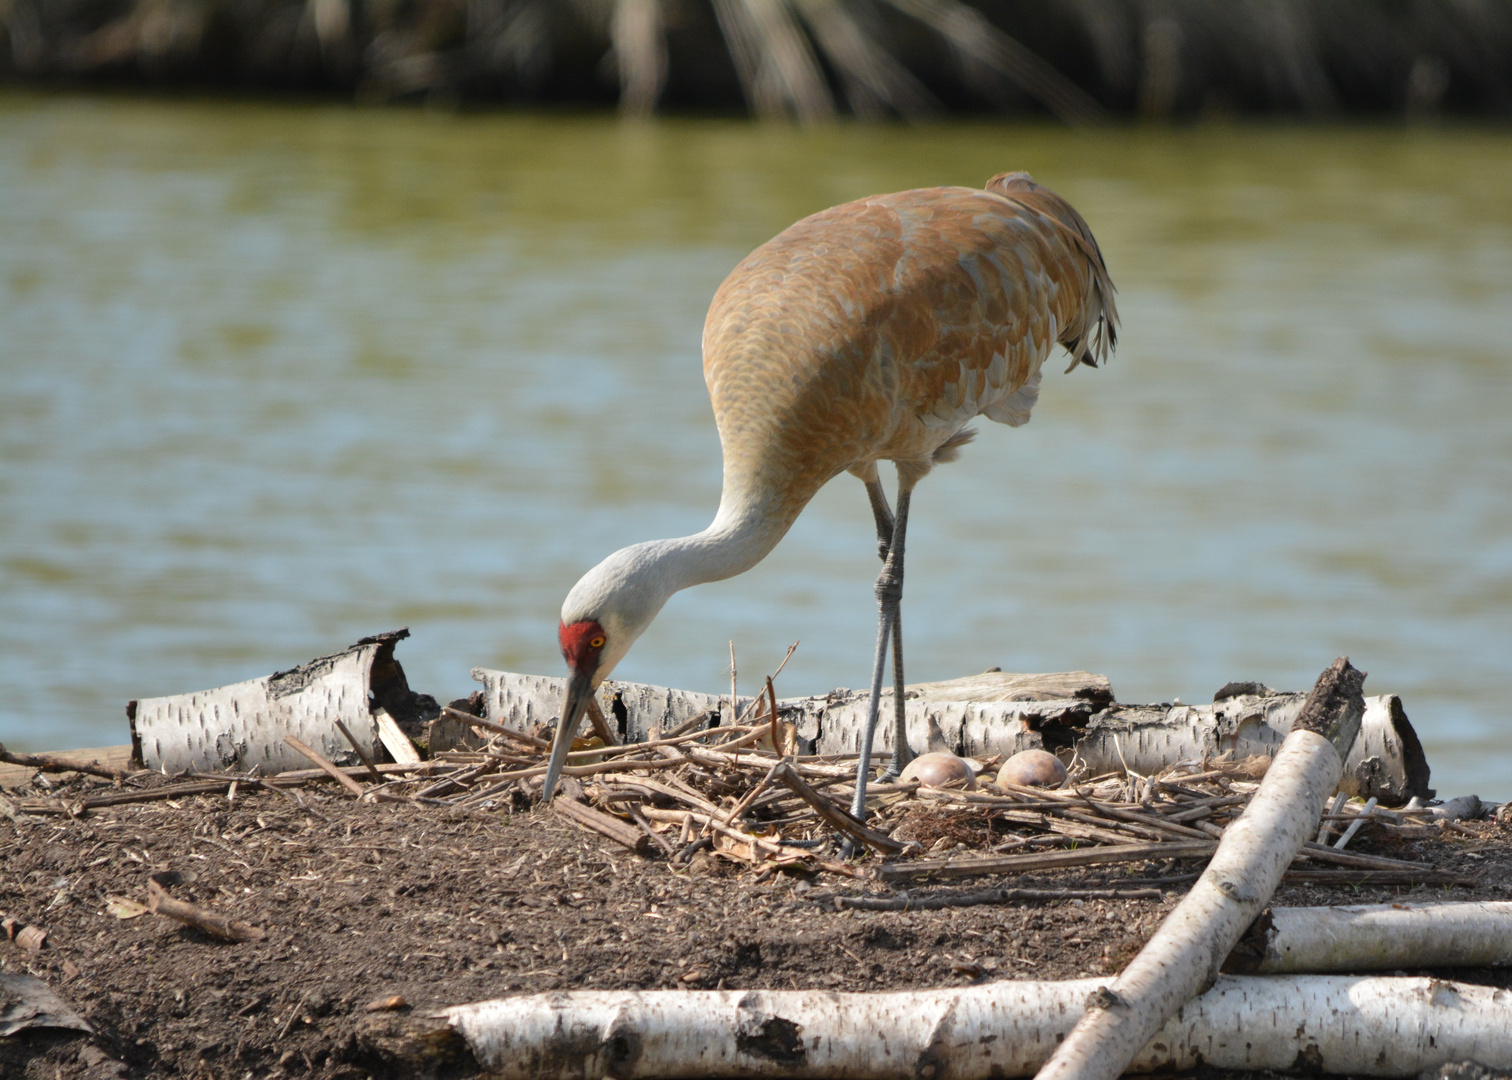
[(574, 704)]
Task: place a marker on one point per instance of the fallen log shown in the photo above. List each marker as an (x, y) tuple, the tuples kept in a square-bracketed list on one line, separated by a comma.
[(996, 713), (1002, 713), (1182, 958), (1385, 761), (242, 726), (1394, 1027), (1376, 937)]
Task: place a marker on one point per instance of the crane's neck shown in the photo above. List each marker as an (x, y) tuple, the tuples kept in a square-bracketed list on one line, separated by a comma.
[(625, 591), (740, 536)]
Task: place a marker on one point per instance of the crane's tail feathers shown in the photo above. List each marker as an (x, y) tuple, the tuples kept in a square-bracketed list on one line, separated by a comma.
[(1092, 340), (951, 448)]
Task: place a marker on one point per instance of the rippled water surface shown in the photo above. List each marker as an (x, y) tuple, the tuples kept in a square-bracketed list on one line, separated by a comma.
[(272, 378)]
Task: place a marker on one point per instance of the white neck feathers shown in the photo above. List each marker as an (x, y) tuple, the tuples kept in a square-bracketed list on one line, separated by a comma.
[(625, 591)]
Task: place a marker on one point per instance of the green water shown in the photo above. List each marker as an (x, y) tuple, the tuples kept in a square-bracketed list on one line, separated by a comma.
[(272, 378)]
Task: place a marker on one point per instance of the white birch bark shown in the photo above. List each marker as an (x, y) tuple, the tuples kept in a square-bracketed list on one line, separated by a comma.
[(1184, 955), (1385, 937), (243, 725), (995, 713), (1393, 1027), (1002, 713), (1385, 761)]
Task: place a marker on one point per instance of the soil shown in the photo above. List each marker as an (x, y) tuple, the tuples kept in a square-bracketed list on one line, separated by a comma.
[(364, 902)]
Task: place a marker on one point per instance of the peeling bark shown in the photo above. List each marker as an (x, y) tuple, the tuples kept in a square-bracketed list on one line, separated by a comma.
[(1363, 1026), (242, 726), (1182, 958), (1376, 937), (1001, 713)]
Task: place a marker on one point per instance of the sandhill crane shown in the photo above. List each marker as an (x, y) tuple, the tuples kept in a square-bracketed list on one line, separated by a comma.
[(874, 330)]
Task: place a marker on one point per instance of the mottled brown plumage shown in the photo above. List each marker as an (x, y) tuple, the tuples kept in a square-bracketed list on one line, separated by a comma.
[(877, 330)]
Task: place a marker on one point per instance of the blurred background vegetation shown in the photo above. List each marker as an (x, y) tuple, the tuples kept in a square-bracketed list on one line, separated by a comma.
[(1081, 61)]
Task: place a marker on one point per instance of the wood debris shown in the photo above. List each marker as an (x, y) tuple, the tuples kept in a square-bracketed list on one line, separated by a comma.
[(160, 903), (718, 789)]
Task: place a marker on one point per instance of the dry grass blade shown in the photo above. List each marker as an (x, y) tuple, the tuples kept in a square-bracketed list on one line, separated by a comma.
[(970, 34), (640, 47), (873, 78), (777, 68)]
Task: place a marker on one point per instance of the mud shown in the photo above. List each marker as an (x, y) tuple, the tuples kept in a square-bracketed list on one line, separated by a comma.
[(363, 903)]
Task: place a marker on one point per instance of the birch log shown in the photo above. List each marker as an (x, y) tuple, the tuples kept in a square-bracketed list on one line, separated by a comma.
[(1363, 1026), (243, 725), (1183, 957), (1001, 713), (1386, 761), (995, 713), (1376, 937)]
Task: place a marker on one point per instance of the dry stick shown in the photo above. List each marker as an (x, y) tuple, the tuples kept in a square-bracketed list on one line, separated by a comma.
[(988, 896), (1423, 876), (456, 779), (1181, 960), (837, 818), (1357, 823), (1326, 854), (600, 724), (749, 797), (361, 753), (496, 729), (645, 827), (612, 827), (116, 798), (682, 793), (772, 706), (1047, 860), (219, 926), (620, 765), (336, 774), (772, 846), (53, 763), (1328, 818)]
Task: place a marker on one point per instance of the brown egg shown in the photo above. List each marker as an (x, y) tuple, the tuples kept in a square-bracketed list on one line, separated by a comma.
[(940, 770), (1033, 768)]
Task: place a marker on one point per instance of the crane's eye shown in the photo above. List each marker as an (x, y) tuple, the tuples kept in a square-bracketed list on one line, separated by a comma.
[(598, 642)]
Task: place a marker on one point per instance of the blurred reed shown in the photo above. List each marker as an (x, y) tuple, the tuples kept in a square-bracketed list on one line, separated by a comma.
[(1080, 61)]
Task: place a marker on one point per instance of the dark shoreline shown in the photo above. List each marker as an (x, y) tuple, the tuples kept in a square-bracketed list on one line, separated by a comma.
[(1081, 61)]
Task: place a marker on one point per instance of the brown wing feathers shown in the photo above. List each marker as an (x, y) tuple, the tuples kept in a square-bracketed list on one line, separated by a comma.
[(1092, 341)]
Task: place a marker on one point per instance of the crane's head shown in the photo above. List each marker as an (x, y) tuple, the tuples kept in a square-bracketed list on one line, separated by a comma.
[(601, 618)]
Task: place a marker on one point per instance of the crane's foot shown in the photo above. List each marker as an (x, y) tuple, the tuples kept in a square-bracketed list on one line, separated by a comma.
[(847, 849)]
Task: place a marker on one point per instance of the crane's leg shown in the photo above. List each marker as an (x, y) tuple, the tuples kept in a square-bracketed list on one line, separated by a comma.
[(902, 754), (889, 591)]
